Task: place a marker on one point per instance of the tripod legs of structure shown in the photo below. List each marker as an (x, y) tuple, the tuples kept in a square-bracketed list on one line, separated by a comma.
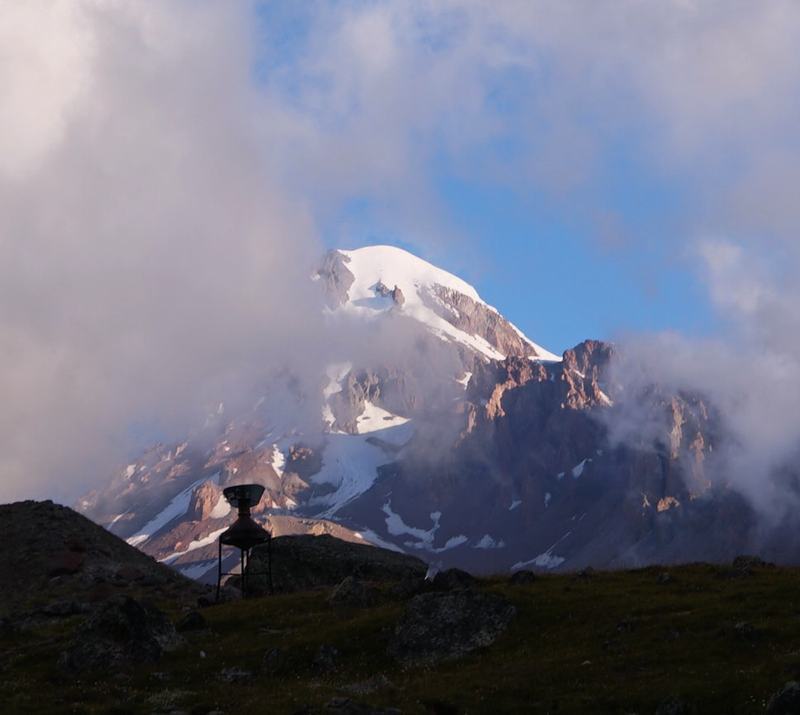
[(244, 562)]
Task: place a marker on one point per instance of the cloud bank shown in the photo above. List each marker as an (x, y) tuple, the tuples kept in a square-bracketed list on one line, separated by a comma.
[(167, 171)]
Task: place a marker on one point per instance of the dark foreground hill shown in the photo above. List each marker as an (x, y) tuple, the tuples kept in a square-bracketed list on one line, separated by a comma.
[(693, 639), (50, 553)]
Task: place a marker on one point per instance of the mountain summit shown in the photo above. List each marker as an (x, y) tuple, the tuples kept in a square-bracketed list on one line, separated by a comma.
[(370, 281)]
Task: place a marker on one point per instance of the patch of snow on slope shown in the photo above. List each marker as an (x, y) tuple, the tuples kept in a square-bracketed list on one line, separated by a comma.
[(546, 560), (465, 380), (451, 543), (370, 537), (397, 527), (278, 460), (375, 418), (514, 504), (194, 545), (221, 509), (577, 472), (115, 519), (177, 507), (487, 542), (547, 497), (350, 463), (424, 537), (130, 470)]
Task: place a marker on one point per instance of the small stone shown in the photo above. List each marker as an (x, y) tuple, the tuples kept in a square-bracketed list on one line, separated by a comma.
[(744, 630), (326, 657), (523, 577), (366, 687), (664, 577), (64, 609), (674, 706), (192, 621), (235, 675), (274, 662)]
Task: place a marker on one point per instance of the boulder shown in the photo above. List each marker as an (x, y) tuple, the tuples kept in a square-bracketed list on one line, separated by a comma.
[(120, 632), (447, 625), (452, 579), (786, 701), (523, 577), (305, 562), (192, 621)]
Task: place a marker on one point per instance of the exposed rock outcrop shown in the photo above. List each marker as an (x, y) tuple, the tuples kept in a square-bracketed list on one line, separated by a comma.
[(442, 626), (121, 632), (300, 563)]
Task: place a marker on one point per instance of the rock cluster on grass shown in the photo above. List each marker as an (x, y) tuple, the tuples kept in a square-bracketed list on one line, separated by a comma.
[(441, 626), (120, 632)]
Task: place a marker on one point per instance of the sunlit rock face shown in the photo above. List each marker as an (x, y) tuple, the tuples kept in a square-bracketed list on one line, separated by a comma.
[(448, 434)]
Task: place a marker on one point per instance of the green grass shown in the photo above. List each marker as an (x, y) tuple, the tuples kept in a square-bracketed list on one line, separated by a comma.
[(617, 642)]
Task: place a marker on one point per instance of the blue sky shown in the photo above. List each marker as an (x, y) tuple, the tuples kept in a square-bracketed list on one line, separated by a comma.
[(602, 253)]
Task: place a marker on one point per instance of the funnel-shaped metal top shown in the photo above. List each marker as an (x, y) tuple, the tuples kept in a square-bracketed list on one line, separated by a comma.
[(244, 533), (243, 496)]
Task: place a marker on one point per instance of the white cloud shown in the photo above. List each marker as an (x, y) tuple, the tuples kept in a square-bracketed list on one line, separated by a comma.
[(154, 200)]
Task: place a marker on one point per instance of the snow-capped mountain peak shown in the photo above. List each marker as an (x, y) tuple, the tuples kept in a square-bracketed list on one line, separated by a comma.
[(376, 280)]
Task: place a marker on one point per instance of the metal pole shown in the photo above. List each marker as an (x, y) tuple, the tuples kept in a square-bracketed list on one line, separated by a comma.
[(241, 561), (269, 564), (219, 570)]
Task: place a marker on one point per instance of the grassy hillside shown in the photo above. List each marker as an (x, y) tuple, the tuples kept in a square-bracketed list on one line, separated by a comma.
[(720, 639)]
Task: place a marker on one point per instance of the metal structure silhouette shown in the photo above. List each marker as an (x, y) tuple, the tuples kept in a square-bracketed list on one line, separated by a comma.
[(244, 534)]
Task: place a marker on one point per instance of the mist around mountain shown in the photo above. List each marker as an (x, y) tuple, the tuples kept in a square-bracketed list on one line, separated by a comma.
[(439, 429)]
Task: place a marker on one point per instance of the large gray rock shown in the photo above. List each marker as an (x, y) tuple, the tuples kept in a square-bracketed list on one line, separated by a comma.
[(447, 625), (302, 563), (121, 632)]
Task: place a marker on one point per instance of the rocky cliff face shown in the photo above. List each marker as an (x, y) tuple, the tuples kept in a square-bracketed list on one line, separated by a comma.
[(472, 445)]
